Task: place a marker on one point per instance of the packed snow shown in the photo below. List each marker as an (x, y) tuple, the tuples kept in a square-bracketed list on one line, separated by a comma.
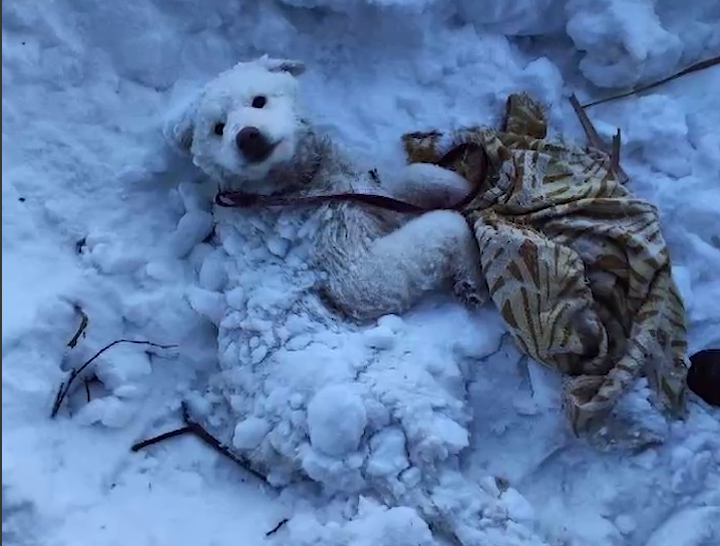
[(426, 428)]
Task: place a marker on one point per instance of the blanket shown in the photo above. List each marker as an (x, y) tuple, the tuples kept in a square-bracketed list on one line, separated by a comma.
[(576, 265)]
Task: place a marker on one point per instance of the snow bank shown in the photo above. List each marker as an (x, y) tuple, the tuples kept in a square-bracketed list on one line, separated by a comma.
[(94, 214), (630, 41), (374, 524)]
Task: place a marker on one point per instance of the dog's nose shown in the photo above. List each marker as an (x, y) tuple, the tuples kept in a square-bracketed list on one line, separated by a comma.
[(253, 144)]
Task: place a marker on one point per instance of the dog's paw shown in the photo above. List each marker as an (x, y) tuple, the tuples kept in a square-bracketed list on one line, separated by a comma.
[(470, 293)]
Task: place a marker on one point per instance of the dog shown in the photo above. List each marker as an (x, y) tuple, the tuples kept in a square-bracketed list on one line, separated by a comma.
[(245, 130)]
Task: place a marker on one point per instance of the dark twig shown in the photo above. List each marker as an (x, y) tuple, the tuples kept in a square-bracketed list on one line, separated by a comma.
[(160, 437), (702, 65), (597, 142), (81, 329), (374, 176), (57, 401), (197, 430), (117, 342), (80, 245), (615, 155), (444, 531), (590, 132), (88, 381), (275, 529), (65, 386)]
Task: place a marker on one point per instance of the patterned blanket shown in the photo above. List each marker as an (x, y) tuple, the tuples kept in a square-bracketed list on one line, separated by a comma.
[(576, 265)]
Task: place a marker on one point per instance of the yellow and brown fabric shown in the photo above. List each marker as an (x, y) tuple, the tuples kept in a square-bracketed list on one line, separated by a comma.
[(576, 264)]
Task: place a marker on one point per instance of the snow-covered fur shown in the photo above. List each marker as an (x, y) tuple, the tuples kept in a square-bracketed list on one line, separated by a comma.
[(299, 390), (245, 131)]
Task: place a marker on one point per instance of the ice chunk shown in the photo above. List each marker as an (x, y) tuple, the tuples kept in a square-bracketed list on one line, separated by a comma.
[(518, 507), (250, 433), (192, 229), (625, 524), (388, 454), (453, 435), (392, 322), (212, 274), (374, 525), (110, 411), (207, 303), (380, 337), (336, 419)]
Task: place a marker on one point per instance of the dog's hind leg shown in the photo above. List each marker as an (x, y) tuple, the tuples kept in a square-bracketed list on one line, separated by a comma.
[(433, 251)]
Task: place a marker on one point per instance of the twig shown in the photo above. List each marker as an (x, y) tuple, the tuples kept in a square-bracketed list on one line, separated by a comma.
[(595, 140), (590, 132), (615, 157), (444, 531), (80, 245), (81, 329), (702, 65), (197, 430), (88, 381), (523, 367), (374, 176), (64, 388), (160, 437), (275, 529), (57, 401)]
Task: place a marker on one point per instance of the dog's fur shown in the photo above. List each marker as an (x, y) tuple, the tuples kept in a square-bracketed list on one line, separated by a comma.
[(375, 262)]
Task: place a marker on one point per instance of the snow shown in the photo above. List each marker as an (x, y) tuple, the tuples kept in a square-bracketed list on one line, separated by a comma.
[(636, 44), (448, 434), (336, 420)]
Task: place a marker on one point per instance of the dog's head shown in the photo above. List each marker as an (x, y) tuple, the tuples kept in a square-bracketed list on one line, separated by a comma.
[(245, 122)]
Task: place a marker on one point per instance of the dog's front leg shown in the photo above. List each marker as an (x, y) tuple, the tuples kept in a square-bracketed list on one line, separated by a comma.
[(435, 250), (429, 186)]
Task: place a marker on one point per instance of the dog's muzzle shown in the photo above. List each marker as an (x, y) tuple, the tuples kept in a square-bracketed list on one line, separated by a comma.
[(253, 145)]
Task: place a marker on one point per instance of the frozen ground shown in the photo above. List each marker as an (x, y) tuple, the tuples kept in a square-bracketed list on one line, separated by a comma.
[(91, 211)]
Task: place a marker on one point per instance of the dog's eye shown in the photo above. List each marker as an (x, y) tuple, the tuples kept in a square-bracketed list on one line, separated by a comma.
[(219, 128), (259, 101)]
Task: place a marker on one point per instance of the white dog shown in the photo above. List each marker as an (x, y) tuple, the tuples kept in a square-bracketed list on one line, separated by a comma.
[(245, 131), (296, 392)]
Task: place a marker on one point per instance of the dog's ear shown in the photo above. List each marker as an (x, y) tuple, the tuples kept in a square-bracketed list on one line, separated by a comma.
[(180, 125), (292, 67)]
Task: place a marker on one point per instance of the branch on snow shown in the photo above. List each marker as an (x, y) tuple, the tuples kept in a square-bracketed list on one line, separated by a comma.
[(65, 386), (597, 142), (81, 329), (702, 65), (197, 430), (275, 529)]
